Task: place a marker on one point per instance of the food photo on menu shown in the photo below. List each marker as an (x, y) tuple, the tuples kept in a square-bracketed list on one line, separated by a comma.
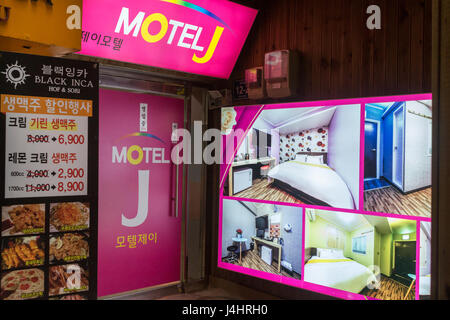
[(69, 216), (23, 219), (69, 247), (68, 278), (22, 252), (22, 284)]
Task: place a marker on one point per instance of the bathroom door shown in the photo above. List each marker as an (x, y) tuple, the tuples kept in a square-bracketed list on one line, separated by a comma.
[(370, 150), (140, 194), (398, 146), (405, 258)]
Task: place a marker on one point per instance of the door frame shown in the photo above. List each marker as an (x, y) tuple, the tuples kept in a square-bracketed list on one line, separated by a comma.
[(378, 156), (394, 136)]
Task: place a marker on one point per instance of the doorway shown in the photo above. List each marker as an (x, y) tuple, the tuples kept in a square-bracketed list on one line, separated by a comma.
[(404, 261), (398, 147), (140, 192)]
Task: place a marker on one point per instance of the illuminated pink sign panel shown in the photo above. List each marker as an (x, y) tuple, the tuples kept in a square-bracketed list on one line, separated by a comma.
[(197, 36)]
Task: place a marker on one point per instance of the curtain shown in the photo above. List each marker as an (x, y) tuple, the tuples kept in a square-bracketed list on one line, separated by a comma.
[(359, 244)]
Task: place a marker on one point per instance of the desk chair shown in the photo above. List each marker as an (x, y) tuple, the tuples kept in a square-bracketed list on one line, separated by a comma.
[(232, 255)]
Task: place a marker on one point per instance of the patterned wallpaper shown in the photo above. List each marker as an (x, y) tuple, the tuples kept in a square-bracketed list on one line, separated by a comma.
[(312, 140)]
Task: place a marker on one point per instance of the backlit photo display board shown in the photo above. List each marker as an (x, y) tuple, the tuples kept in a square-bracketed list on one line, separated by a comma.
[(330, 196)]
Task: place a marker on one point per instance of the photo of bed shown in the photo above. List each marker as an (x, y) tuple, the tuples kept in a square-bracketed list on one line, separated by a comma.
[(300, 155), (263, 237), (363, 254), (397, 158)]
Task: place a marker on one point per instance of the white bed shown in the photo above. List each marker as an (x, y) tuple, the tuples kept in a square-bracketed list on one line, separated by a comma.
[(318, 181), (347, 275)]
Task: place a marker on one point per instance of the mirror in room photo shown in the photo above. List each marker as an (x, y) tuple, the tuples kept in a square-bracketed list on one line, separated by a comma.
[(263, 237)]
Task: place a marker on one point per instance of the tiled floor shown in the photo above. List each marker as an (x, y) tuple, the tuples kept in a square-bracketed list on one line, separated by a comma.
[(375, 184)]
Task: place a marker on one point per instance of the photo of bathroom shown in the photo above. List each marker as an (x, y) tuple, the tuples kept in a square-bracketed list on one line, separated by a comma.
[(262, 237), (397, 158)]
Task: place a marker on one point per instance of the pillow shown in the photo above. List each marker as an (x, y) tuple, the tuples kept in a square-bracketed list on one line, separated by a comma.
[(319, 251), (314, 159), (327, 254), (338, 254), (324, 253), (301, 157)]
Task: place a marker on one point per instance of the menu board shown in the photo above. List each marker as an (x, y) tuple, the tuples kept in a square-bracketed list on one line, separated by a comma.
[(49, 125), (330, 196), (47, 156)]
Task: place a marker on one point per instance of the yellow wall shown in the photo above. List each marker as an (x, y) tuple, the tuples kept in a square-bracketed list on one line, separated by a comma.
[(377, 248), (386, 254), (317, 235), (398, 237), (307, 244), (40, 26), (366, 259)]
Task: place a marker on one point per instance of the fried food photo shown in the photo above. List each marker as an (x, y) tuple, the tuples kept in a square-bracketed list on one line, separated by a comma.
[(22, 252), (29, 218), (69, 214), (62, 279), (69, 247)]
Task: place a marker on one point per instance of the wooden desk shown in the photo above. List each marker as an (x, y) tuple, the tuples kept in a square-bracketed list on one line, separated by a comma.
[(235, 164), (413, 277), (270, 244)]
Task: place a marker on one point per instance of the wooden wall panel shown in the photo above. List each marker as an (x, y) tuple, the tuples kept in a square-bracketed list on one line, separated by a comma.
[(440, 255), (340, 57)]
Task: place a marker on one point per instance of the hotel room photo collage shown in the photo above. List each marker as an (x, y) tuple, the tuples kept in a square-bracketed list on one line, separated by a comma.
[(333, 197)]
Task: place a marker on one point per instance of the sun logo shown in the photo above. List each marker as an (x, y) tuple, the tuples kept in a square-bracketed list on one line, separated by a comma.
[(15, 74)]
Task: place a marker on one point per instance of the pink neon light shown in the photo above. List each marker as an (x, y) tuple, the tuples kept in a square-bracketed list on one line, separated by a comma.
[(100, 17)]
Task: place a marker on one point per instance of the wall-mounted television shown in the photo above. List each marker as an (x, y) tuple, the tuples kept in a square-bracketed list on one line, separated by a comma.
[(342, 175), (262, 223)]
